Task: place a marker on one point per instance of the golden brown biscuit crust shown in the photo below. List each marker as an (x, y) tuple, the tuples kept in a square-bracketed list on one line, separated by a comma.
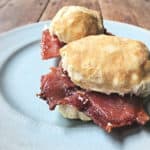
[(107, 64), (74, 22)]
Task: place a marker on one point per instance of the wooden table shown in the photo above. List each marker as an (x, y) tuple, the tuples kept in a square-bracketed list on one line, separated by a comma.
[(14, 13)]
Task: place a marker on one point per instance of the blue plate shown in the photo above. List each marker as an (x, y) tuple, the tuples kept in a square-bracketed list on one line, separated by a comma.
[(26, 122)]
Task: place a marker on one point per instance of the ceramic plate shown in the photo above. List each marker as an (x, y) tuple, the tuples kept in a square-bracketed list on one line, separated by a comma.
[(26, 122)]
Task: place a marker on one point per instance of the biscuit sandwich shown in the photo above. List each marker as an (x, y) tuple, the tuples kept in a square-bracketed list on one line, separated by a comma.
[(101, 78)]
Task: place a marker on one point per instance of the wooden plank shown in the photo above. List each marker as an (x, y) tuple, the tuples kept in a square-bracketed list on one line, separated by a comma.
[(15, 13), (130, 11), (55, 5), (119, 10), (141, 11)]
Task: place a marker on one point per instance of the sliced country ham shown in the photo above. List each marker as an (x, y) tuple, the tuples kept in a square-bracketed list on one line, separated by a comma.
[(107, 111), (50, 45)]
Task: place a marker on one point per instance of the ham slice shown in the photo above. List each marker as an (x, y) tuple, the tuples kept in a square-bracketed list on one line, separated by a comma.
[(107, 111), (50, 45)]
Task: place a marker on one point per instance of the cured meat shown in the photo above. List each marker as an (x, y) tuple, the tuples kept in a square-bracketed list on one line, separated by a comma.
[(50, 45), (107, 111)]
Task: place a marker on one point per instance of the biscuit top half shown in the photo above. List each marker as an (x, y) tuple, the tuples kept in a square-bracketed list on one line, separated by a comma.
[(108, 64)]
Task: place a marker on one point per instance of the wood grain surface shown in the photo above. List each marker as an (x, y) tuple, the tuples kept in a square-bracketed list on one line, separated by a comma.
[(14, 13), (129, 11)]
